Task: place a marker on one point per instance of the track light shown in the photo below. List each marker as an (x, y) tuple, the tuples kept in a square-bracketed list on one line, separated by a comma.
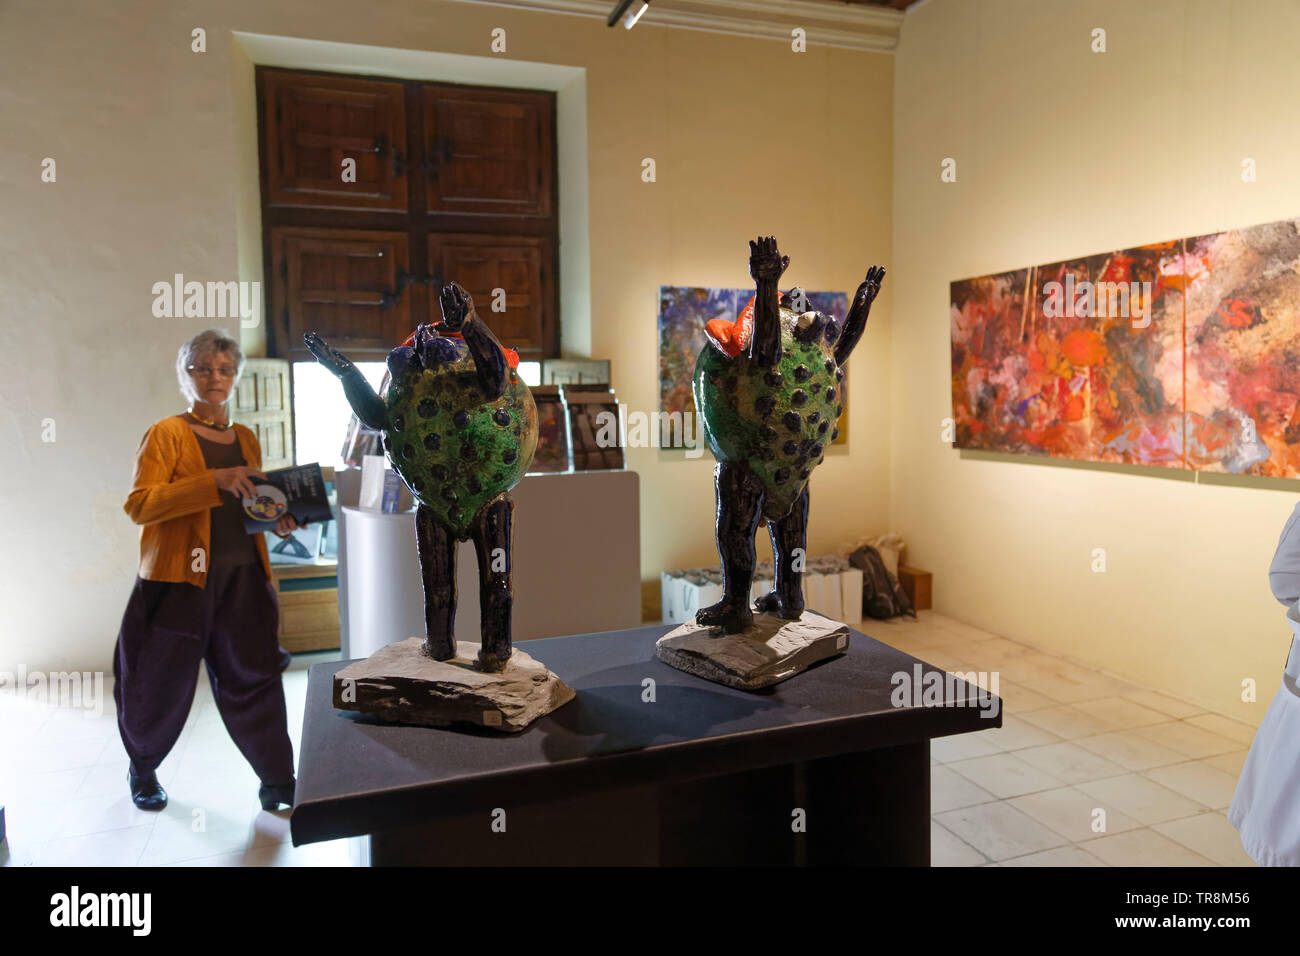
[(621, 13), (630, 20)]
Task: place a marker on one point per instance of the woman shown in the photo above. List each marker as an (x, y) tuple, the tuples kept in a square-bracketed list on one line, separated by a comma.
[(204, 587), (1265, 809)]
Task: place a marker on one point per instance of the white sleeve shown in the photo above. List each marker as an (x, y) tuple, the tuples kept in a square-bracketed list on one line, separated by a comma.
[(1284, 572)]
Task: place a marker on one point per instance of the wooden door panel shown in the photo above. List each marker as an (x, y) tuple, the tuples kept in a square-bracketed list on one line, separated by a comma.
[(313, 123), (482, 264), (488, 152), (348, 285)]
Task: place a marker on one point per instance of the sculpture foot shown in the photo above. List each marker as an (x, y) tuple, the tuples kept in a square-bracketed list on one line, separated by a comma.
[(442, 650), (491, 665), (773, 603), (732, 617)]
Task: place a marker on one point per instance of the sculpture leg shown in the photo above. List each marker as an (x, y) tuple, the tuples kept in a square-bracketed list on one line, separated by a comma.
[(437, 549), (739, 501), (789, 534), (491, 533)]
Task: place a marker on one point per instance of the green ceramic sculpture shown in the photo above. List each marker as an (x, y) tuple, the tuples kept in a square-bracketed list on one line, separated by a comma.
[(460, 428), (768, 390)]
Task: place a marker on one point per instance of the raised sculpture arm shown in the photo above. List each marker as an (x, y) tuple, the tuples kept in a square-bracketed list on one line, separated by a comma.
[(458, 315), (766, 265), (856, 323), (369, 407)]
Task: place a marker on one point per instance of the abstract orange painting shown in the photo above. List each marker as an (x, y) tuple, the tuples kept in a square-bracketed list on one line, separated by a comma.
[(1181, 354), (1243, 351)]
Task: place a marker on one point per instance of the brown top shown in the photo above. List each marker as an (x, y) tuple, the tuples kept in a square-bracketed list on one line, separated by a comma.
[(231, 546)]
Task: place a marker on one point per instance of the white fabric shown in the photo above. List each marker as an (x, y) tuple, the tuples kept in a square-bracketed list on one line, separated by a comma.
[(1284, 572), (851, 596), (372, 483), (1266, 805)]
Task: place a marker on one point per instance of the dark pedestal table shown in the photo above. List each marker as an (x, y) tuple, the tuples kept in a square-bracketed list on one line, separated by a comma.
[(649, 765)]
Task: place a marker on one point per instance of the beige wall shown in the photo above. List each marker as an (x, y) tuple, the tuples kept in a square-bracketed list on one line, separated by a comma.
[(1061, 152), (748, 137)]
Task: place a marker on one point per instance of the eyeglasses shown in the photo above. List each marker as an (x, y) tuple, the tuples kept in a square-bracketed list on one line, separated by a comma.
[(206, 371)]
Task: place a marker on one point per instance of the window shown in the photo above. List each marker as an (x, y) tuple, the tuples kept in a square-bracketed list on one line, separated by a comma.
[(375, 193), (321, 411)]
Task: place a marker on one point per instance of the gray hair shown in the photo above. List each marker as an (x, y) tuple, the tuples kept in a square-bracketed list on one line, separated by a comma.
[(206, 343)]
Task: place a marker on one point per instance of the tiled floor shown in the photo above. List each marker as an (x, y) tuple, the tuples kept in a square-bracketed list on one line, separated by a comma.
[(67, 803), (1085, 771)]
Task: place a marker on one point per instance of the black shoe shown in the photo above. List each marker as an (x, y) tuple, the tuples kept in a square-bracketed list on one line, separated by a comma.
[(146, 792), (272, 795)]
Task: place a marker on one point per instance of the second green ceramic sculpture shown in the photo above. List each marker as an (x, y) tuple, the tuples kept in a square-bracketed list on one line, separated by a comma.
[(768, 389)]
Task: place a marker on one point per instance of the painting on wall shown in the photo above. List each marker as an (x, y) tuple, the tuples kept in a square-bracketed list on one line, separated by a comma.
[(989, 359), (1181, 354), (1243, 351), (683, 312)]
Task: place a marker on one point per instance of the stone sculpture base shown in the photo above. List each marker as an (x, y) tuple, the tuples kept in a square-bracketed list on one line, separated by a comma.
[(767, 653), (400, 684)]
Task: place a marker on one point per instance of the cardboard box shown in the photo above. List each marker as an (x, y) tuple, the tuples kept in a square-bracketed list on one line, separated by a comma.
[(917, 586)]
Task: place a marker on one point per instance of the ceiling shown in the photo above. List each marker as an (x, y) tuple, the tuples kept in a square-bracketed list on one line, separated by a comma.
[(871, 25), (891, 4)]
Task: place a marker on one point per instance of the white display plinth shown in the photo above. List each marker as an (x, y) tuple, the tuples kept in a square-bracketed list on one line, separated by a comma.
[(577, 565)]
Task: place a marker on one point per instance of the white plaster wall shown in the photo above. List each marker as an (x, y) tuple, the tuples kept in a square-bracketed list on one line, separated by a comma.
[(749, 138), (1062, 152)]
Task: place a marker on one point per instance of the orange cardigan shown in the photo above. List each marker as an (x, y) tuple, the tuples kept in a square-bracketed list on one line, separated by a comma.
[(172, 497)]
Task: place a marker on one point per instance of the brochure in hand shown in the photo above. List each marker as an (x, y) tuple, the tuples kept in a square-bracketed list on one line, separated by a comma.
[(299, 491)]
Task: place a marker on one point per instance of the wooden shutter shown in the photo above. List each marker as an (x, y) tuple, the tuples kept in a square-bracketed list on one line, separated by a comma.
[(489, 152), (348, 285), (261, 401), (338, 255), (483, 264), (313, 123)]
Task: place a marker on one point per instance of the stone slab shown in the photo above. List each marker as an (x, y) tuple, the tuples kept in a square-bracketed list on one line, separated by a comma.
[(770, 651), (400, 684)]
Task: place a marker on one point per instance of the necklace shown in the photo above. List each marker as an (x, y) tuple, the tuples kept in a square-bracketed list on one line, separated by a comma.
[(219, 426)]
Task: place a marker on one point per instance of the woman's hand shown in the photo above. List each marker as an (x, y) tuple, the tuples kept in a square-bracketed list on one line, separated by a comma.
[(285, 525), (237, 480)]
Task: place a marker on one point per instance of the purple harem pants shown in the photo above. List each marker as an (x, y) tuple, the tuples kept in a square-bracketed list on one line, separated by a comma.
[(231, 626)]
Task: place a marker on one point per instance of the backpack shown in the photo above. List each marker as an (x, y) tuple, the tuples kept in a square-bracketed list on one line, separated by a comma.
[(882, 596)]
